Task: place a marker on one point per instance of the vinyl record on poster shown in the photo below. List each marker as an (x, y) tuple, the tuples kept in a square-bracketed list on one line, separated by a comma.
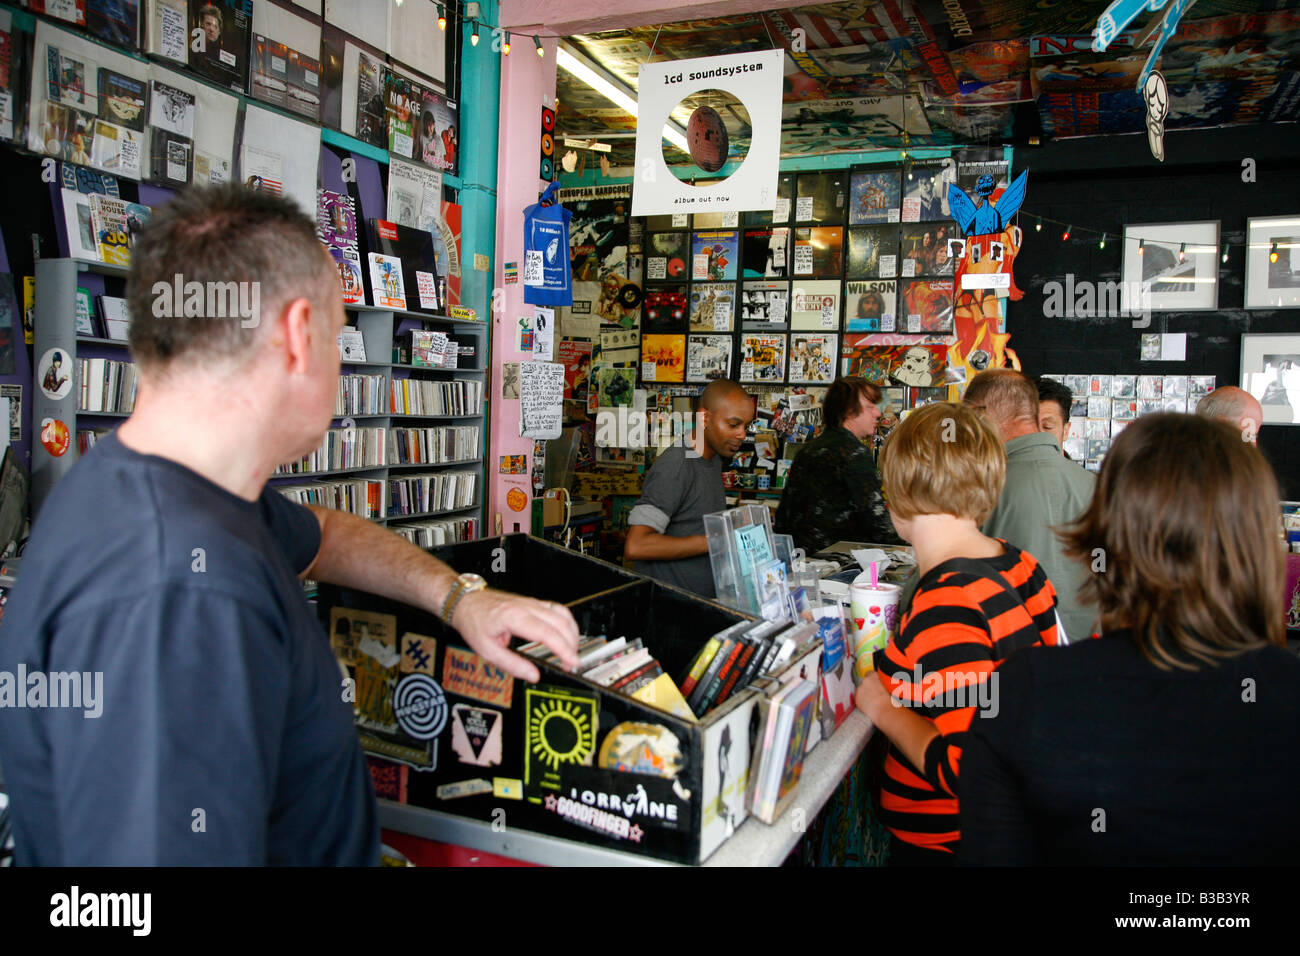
[(629, 297), (548, 119), (547, 171), (548, 144)]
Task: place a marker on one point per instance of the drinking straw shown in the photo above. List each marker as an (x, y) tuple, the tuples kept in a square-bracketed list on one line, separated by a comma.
[(873, 574)]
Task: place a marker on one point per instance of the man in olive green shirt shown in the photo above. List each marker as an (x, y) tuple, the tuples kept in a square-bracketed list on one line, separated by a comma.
[(1043, 491)]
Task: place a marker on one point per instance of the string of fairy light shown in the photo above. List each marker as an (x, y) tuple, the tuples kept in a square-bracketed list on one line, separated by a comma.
[(1184, 247), (475, 23)]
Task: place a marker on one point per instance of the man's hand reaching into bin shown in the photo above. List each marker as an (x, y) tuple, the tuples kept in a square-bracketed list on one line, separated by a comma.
[(488, 619)]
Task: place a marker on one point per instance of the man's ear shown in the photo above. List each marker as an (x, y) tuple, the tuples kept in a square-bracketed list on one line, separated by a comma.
[(296, 321)]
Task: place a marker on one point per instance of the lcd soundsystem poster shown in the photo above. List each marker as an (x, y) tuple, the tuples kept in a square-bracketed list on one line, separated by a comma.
[(731, 109)]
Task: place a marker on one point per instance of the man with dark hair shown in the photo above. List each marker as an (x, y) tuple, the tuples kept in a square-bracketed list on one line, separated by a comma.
[(1054, 403), (833, 490), (666, 525), (1043, 490), (163, 564)]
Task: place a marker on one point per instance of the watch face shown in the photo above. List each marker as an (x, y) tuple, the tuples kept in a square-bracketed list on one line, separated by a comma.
[(473, 580)]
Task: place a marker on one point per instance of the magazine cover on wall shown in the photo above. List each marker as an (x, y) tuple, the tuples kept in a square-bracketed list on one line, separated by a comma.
[(446, 247), (765, 305), (812, 358), (1272, 262), (713, 307), (874, 196), (372, 123), (734, 104), (873, 252), (220, 34), (762, 358), (926, 305), (439, 132), (708, 357), (336, 227), (714, 255), (871, 306), (815, 305), (403, 101), (598, 238), (114, 21), (663, 358), (918, 365)]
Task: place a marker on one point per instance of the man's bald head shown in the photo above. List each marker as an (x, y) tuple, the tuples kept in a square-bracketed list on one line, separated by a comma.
[(1008, 398), (718, 391), (1237, 407)]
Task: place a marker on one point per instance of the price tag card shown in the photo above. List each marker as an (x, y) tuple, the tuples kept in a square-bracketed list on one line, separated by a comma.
[(533, 267), (803, 260), (804, 208)]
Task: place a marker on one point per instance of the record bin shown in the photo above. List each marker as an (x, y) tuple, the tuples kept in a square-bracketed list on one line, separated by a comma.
[(473, 742)]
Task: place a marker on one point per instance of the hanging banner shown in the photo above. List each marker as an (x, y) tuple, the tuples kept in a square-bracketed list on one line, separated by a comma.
[(734, 106)]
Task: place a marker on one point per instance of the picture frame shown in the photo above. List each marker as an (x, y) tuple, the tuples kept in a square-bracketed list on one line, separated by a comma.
[(1273, 285), (1175, 265), (1270, 371)]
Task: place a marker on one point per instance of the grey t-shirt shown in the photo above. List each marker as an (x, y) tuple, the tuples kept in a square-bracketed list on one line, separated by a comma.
[(680, 489)]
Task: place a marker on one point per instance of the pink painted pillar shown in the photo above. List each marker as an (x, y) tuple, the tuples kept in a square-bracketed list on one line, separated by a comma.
[(527, 84)]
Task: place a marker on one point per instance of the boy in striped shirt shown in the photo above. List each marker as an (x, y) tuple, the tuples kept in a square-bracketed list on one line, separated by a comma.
[(978, 601)]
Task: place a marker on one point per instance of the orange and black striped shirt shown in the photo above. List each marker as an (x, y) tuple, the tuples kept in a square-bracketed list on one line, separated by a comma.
[(959, 628)]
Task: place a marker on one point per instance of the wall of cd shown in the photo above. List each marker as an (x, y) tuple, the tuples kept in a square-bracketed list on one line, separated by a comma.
[(773, 298)]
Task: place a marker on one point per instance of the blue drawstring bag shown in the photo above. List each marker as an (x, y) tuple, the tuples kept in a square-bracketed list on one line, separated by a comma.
[(547, 279)]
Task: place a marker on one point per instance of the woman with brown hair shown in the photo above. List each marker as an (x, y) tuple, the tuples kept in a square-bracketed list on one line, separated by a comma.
[(1172, 738)]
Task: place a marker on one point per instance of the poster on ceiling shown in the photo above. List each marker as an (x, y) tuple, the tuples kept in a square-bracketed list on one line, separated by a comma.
[(730, 107)]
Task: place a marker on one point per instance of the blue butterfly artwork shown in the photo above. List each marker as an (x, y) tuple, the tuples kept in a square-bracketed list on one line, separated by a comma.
[(986, 218)]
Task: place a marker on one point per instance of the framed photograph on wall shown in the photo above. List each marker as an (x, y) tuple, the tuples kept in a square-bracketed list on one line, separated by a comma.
[(1273, 284), (1173, 266), (1270, 370)]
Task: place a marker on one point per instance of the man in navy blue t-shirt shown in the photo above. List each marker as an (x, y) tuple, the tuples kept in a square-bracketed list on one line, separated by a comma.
[(165, 572)]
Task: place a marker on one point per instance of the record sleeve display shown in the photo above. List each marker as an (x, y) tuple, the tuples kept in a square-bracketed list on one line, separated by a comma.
[(923, 249), (870, 306), (708, 357), (414, 249), (123, 100), (765, 304), (665, 309), (663, 358), (925, 192), (762, 357), (815, 305), (713, 307), (873, 252), (269, 72), (821, 197), (781, 212), (226, 29), (766, 252), (667, 255), (715, 254), (874, 196), (926, 305), (813, 357), (818, 251)]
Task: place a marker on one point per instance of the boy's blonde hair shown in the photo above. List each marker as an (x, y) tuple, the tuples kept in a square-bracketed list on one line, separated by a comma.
[(943, 458)]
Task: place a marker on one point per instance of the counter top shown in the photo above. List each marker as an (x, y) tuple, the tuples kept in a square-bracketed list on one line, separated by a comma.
[(754, 844)]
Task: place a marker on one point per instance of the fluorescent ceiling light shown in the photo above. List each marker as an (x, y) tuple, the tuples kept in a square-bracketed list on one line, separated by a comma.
[(611, 89)]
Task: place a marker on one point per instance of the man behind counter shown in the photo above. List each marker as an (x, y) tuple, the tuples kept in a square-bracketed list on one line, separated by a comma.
[(666, 526), (833, 491)]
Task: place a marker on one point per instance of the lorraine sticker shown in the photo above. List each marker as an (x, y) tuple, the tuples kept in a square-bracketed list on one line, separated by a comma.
[(559, 729), (55, 437), (420, 706)]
